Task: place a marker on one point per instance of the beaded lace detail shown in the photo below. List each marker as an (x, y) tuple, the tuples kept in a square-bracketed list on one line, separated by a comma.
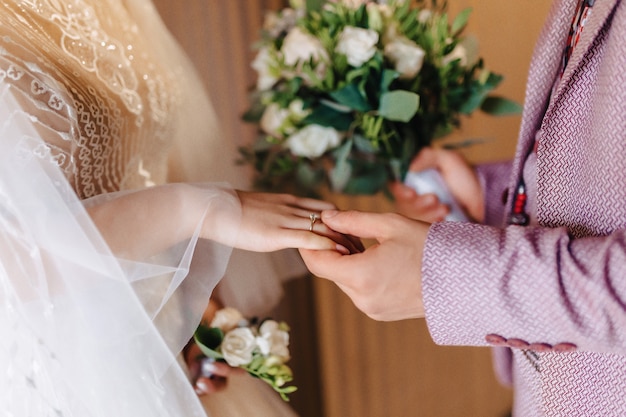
[(101, 98)]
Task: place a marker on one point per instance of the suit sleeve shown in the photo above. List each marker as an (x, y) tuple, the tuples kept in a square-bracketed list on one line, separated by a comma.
[(538, 285), (494, 178)]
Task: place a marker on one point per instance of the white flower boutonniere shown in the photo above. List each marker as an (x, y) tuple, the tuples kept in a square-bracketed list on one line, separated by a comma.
[(261, 348)]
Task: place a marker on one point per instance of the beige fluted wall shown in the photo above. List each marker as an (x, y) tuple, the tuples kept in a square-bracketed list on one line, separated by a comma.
[(370, 369)]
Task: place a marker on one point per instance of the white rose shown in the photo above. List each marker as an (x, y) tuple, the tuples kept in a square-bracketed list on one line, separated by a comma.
[(313, 140), (262, 64), (297, 111), (274, 119), (238, 346), (299, 46), (357, 44), (273, 341), (227, 319), (406, 55)]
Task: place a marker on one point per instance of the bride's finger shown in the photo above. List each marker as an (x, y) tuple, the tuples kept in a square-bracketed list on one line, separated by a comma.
[(350, 242), (303, 239)]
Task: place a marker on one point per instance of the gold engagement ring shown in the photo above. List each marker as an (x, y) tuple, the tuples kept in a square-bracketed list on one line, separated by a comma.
[(313, 218)]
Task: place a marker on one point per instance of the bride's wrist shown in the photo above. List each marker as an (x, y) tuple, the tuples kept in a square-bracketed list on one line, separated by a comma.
[(212, 212)]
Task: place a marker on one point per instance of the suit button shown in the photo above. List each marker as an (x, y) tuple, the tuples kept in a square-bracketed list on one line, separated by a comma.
[(564, 347), (518, 343), (495, 340), (540, 347)]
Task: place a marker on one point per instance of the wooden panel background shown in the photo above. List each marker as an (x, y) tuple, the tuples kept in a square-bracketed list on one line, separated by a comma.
[(357, 367)]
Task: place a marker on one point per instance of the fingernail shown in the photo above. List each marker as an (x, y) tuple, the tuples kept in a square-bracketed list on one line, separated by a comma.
[(342, 249), (201, 387), (330, 213), (207, 369)]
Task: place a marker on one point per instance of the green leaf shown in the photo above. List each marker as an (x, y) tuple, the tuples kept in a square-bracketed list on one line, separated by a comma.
[(208, 339), (371, 182), (341, 172), (314, 5), (254, 113), (351, 97), (398, 105), (307, 176), (388, 77), (500, 106), (479, 92), (461, 20), (327, 116), (364, 145)]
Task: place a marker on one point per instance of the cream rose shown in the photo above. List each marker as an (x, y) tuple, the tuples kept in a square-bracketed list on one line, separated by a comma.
[(299, 46), (227, 319), (313, 140), (297, 110), (406, 56), (274, 120), (273, 341), (238, 346), (357, 44), (262, 64)]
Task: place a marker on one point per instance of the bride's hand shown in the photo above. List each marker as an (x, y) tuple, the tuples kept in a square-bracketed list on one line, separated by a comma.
[(271, 222)]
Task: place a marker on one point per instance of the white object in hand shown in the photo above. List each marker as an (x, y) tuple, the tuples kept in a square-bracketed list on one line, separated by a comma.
[(430, 181)]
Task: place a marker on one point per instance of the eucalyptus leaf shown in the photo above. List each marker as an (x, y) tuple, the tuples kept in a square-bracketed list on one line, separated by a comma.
[(324, 115), (388, 77), (500, 106), (370, 183), (342, 171), (307, 176), (399, 105), (352, 97), (364, 145)]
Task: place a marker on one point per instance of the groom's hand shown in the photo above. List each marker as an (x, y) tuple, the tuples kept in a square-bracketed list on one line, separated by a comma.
[(460, 177), (384, 281)]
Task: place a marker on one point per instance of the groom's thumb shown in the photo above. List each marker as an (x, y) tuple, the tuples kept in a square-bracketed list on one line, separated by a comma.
[(355, 223)]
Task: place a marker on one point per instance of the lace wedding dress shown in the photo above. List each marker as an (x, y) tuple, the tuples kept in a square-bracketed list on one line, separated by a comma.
[(96, 101)]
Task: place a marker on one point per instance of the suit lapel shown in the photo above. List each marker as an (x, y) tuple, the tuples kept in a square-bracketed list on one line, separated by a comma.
[(601, 11), (542, 73)]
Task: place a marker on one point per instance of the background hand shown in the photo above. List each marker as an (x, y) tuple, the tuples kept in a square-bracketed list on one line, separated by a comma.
[(384, 281), (208, 376), (460, 178)]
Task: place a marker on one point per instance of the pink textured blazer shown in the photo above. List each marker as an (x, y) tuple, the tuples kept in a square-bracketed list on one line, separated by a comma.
[(553, 296)]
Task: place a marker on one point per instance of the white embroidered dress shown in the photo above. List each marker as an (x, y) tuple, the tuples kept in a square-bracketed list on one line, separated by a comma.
[(95, 101)]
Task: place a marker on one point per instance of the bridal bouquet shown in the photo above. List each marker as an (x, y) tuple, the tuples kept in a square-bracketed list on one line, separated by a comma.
[(261, 348), (349, 91)]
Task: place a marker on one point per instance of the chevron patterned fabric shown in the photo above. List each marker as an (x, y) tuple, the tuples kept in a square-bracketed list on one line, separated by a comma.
[(553, 294)]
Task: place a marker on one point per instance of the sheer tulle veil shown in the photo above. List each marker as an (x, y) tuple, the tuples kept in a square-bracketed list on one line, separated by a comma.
[(83, 333)]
